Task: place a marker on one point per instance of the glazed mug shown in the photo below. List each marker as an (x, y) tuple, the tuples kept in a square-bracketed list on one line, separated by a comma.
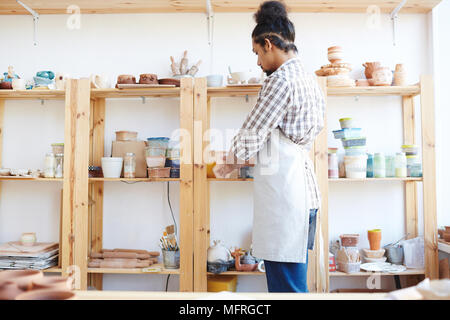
[(18, 84)]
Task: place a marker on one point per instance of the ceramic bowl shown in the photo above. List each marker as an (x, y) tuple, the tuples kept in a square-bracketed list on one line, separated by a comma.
[(214, 80), (23, 278), (46, 294), (374, 254), (112, 167), (241, 77), (5, 172)]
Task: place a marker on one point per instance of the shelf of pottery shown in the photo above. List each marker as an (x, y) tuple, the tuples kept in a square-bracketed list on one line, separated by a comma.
[(412, 255)]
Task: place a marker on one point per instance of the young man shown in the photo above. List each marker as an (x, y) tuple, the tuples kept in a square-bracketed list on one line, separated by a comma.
[(280, 130)]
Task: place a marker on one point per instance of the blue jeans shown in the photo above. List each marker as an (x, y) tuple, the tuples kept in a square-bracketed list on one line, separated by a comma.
[(290, 276)]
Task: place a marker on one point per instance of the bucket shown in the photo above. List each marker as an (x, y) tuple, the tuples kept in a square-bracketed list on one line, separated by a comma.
[(414, 253), (394, 254), (356, 166), (171, 259), (112, 167)]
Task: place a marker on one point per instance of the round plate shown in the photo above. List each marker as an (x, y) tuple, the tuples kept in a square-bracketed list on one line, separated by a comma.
[(382, 267)]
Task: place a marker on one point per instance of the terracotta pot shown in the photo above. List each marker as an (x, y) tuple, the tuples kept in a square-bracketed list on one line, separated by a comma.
[(53, 282), (374, 239), (447, 228), (148, 78), (23, 278), (335, 54), (370, 68), (9, 290), (399, 75), (126, 79), (46, 294), (382, 76)]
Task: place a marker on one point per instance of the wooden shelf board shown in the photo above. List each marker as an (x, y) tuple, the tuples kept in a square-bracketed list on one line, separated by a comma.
[(374, 179), (238, 273), (220, 179), (134, 179), (32, 94), (13, 178), (233, 91), (160, 6), (374, 91), (408, 272), (133, 271), (135, 93)]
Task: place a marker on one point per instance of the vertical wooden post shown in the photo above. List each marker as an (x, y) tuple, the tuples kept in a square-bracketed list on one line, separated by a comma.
[(96, 188), (411, 211), (429, 176), (2, 115), (201, 225), (186, 186), (76, 161), (311, 278), (321, 167)]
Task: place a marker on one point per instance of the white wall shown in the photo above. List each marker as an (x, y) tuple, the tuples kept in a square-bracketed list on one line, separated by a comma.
[(134, 215)]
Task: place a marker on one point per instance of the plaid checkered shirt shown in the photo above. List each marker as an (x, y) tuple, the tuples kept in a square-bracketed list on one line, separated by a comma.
[(290, 99)]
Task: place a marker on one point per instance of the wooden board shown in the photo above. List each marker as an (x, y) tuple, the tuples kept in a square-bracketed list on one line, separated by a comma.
[(32, 94), (135, 93), (407, 272), (374, 91), (201, 227), (2, 115), (76, 160), (429, 176), (321, 171), (158, 6), (96, 194), (411, 210), (186, 186)]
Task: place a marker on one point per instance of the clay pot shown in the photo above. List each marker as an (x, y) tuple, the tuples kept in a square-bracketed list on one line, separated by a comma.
[(374, 239), (447, 228), (9, 290), (362, 83), (6, 85), (126, 79), (53, 282), (23, 278), (399, 75), (148, 78), (446, 236), (335, 54), (382, 76), (46, 294), (370, 68)]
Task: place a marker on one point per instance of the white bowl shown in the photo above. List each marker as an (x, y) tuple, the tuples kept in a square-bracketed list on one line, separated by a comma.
[(112, 167), (373, 260), (241, 77), (214, 80), (5, 172)]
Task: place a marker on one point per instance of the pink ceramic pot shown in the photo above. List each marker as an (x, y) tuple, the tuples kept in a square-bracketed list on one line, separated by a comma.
[(46, 294), (382, 77), (370, 68), (23, 278)]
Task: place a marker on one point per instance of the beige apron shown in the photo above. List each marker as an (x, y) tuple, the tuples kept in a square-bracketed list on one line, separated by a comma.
[(281, 201)]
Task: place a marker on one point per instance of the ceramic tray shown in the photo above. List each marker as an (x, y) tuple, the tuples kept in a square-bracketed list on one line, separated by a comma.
[(382, 267), (132, 86)]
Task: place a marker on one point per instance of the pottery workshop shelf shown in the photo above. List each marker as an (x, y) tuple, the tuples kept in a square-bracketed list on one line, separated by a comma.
[(159, 6), (32, 94), (238, 273), (153, 269), (408, 272)]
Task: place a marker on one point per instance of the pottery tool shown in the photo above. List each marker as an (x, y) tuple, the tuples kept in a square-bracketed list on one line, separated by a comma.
[(194, 68), (174, 66), (184, 63)]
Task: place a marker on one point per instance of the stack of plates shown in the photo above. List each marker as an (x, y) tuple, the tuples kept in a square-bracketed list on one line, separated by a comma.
[(340, 81)]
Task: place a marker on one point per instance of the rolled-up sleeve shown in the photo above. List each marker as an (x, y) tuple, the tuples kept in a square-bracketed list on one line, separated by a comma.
[(270, 109)]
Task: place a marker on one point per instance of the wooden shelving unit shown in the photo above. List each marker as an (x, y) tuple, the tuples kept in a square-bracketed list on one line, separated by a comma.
[(96, 185), (319, 152), (158, 6), (65, 250)]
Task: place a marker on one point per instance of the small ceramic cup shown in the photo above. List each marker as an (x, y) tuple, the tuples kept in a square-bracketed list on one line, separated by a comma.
[(214, 80), (18, 84), (28, 239)]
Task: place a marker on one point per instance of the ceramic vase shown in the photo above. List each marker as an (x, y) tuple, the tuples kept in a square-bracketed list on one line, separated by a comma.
[(374, 239)]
